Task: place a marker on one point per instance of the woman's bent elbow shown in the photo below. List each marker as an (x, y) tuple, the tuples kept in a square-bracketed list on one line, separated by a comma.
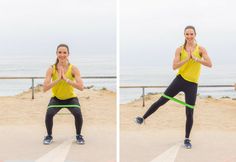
[(174, 67), (209, 64), (81, 88), (45, 89)]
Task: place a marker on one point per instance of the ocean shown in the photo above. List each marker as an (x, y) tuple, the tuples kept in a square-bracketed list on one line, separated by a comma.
[(105, 65), (37, 65), (163, 75)]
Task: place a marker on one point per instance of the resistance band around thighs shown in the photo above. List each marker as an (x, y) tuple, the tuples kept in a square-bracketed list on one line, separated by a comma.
[(61, 106), (178, 101)]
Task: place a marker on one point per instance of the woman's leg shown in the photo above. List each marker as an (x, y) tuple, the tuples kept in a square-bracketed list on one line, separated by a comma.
[(49, 119), (190, 98), (78, 119), (174, 88)]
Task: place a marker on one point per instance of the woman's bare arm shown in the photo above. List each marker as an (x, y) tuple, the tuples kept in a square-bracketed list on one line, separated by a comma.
[(48, 84), (206, 61), (78, 84), (177, 63)]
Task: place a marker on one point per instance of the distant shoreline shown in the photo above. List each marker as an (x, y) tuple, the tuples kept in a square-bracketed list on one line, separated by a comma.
[(38, 88), (150, 94)]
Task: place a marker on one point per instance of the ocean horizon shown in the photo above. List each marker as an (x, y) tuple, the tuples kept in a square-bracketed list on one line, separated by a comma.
[(163, 76), (105, 65), (30, 65)]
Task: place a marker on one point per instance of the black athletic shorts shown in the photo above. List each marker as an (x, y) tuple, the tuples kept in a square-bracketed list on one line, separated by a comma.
[(71, 102)]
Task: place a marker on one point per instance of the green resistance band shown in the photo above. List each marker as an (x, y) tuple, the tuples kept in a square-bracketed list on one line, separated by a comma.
[(178, 101), (52, 106)]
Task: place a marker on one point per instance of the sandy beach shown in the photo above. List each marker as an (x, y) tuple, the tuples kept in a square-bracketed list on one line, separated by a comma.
[(22, 126), (213, 133)]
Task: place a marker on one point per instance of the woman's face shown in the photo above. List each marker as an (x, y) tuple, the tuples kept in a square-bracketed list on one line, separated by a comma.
[(62, 54), (189, 35)]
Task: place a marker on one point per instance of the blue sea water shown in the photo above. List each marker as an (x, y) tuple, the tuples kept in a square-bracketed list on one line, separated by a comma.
[(37, 65), (163, 75), (105, 65)]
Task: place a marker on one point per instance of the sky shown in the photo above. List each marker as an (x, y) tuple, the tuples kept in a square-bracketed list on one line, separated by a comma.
[(37, 27), (151, 30)]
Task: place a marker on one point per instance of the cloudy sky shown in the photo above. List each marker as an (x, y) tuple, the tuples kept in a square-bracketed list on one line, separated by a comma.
[(151, 30), (37, 27)]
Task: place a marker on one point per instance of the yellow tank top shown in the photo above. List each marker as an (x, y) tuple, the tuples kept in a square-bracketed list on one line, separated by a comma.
[(190, 71), (63, 90)]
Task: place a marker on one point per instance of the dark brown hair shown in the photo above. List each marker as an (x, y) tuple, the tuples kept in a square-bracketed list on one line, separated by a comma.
[(188, 27), (62, 45)]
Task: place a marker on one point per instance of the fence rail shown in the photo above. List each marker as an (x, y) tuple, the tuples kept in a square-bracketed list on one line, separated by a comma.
[(144, 87), (34, 77)]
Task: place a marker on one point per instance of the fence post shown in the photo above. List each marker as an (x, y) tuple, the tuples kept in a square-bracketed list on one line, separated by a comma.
[(32, 88), (143, 96)]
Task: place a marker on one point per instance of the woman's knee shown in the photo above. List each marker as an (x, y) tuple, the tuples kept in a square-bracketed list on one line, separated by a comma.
[(76, 112), (160, 102), (50, 113), (189, 113)]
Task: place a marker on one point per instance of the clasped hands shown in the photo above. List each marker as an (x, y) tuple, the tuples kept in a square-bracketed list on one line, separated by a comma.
[(61, 74), (191, 56)]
